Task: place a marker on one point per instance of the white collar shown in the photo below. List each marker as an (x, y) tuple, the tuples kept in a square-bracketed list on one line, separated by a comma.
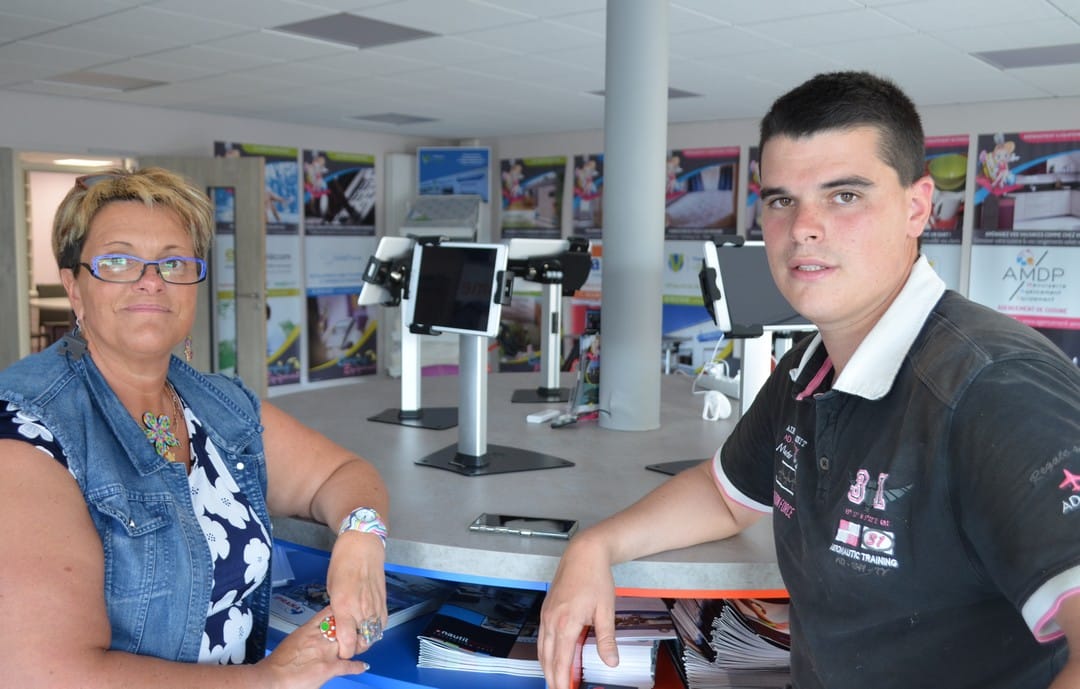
[(873, 366)]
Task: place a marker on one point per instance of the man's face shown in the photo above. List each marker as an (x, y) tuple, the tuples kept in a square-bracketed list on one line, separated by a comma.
[(840, 230)]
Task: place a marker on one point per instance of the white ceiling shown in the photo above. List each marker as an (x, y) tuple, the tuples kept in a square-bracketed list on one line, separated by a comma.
[(518, 67)]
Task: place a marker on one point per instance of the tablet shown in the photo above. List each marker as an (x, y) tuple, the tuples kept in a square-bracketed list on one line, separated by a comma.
[(456, 287)]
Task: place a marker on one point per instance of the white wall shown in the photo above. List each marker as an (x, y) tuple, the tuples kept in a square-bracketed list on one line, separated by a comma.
[(47, 190), (974, 119), (40, 123)]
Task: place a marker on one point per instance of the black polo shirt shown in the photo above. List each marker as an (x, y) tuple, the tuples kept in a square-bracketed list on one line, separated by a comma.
[(922, 508)]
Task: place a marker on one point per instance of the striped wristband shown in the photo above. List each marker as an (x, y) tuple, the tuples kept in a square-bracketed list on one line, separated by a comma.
[(364, 520)]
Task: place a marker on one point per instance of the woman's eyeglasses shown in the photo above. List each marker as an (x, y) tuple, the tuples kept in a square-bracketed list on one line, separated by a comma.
[(177, 270)]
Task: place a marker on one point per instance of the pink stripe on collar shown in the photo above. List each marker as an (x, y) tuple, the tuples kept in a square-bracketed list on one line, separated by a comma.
[(812, 387)]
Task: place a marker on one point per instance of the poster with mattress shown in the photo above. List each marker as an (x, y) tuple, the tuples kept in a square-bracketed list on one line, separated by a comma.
[(700, 191)]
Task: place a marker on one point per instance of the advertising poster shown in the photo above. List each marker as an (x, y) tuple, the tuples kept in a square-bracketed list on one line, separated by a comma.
[(686, 325), (1026, 243), (585, 304), (947, 164), (700, 192), (752, 217), (223, 279), (519, 337), (284, 309), (588, 211), (341, 335), (532, 191), (339, 193), (284, 302), (452, 171)]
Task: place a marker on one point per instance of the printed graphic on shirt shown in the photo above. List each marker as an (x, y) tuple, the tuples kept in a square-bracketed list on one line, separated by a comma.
[(865, 545), (785, 465), (864, 538), (1071, 484)]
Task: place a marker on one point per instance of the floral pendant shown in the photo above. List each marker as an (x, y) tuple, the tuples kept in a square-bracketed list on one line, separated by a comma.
[(158, 432)]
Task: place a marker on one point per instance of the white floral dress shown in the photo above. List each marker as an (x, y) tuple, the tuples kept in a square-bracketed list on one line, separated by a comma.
[(239, 542)]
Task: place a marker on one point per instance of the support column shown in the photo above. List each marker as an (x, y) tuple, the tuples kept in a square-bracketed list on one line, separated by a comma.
[(635, 146)]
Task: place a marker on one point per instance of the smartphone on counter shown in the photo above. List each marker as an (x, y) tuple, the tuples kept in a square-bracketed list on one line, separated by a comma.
[(524, 526)]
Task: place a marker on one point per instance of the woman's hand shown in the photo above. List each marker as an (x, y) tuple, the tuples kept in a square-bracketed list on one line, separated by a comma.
[(581, 594), (305, 659), (357, 587)]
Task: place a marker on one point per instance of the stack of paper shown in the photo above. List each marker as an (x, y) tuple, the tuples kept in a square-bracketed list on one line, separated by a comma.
[(639, 624), (484, 629), (729, 643)]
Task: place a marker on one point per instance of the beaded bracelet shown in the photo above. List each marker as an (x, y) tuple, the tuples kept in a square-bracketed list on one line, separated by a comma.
[(364, 520)]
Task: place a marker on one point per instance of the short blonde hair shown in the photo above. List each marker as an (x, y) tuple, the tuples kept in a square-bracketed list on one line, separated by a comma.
[(153, 186)]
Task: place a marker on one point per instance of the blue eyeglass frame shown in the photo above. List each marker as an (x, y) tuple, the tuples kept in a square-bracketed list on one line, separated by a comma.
[(92, 266)]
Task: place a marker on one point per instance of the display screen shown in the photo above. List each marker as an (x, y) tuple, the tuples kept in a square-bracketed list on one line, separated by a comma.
[(453, 287), (746, 295)]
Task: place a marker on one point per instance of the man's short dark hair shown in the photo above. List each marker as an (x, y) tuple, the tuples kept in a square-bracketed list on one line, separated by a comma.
[(846, 100)]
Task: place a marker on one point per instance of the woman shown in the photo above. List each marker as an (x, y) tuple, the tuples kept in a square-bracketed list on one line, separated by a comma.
[(138, 553)]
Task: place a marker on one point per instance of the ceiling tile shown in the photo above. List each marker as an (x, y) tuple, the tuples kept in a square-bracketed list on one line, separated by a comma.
[(1011, 35), (834, 27), (439, 16), (276, 46), (211, 59), (14, 27), (124, 44), (66, 11), (251, 13), (742, 12), (535, 37), (57, 58), (935, 15), (152, 22), (444, 50)]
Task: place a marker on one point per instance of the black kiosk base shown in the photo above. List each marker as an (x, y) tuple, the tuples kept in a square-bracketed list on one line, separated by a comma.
[(498, 459), (433, 418)]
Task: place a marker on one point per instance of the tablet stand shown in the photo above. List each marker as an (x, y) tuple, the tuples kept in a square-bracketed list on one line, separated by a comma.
[(561, 275), (411, 413), (392, 275), (472, 455), (550, 353)]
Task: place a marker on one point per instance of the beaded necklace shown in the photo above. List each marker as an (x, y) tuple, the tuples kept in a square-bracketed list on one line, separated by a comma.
[(159, 428)]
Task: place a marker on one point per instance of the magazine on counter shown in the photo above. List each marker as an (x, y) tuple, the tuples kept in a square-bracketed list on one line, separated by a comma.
[(408, 596)]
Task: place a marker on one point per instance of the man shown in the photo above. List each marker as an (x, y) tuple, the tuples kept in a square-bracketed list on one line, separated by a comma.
[(912, 454)]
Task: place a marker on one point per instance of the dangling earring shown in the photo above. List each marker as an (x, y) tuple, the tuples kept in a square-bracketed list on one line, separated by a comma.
[(189, 353)]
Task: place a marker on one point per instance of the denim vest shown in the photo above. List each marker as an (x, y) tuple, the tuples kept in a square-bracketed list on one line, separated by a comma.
[(158, 567)]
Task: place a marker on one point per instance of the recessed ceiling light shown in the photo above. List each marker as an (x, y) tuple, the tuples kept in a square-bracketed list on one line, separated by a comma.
[(83, 162), (671, 93), (1040, 56), (100, 81), (394, 118), (352, 30)]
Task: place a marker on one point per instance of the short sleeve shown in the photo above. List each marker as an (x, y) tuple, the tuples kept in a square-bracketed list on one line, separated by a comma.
[(1015, 449), (743, 468), (15, 424)]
